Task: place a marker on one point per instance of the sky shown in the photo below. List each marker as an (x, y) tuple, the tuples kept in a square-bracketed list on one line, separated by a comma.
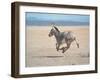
[(45, 19)]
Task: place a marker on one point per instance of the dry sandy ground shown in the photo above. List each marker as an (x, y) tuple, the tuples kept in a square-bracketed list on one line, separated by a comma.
[(41, 51)]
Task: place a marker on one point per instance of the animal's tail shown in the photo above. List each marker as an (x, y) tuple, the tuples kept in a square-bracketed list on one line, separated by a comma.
[(77, 43)]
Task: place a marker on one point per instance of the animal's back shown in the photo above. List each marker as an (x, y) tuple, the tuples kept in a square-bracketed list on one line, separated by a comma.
[(69, 35), (66, 35)]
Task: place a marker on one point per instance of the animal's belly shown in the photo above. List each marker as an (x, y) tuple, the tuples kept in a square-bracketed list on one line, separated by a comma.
[(63, 41)]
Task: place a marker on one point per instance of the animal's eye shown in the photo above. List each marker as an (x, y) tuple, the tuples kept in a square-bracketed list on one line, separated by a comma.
[(51, 29)]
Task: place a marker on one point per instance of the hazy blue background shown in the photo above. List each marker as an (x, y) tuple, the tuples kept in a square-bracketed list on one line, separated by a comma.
[(45, 19)]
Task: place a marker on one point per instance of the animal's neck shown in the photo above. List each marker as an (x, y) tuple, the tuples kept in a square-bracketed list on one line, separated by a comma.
[(56, 35)]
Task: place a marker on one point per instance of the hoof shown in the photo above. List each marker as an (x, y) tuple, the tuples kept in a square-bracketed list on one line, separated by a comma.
[(63, 50), (57, 49)]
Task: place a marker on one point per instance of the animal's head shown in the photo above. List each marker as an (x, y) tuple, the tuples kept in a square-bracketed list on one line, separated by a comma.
[(52, 31)]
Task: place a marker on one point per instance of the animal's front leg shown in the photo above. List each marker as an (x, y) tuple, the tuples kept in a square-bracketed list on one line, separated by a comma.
[(57, 46)]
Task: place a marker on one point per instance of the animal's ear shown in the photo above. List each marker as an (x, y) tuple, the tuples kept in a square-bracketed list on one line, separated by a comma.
[(53, 27), (52, 24)]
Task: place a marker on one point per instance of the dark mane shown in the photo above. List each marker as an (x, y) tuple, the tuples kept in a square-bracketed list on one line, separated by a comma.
[(56, 29)]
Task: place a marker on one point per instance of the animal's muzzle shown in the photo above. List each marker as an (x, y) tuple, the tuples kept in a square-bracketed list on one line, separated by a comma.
[(49, 35)]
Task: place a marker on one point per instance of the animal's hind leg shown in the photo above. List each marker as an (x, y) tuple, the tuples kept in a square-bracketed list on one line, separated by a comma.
[(63, 48), (68, 46)]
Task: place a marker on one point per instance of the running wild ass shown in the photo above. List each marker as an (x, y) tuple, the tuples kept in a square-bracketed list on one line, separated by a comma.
[(62, 37)]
